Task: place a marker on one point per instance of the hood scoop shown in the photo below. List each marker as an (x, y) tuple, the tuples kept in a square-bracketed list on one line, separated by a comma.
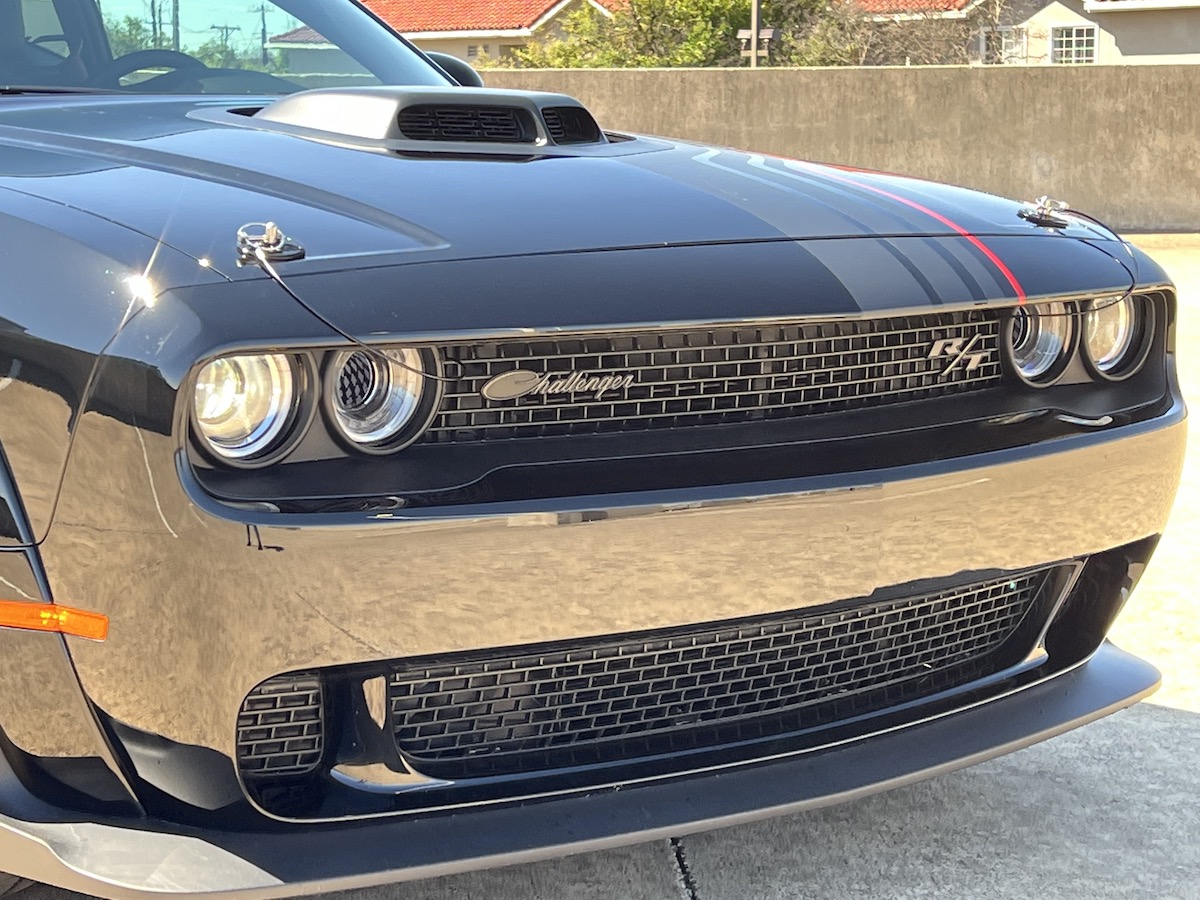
[(435, 120)]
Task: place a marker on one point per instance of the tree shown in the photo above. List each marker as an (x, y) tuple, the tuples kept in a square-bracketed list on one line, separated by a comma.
[(644, 33), (129, 34)]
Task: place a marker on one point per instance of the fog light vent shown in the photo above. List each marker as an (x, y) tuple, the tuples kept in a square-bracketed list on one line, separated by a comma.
[(280, 727)]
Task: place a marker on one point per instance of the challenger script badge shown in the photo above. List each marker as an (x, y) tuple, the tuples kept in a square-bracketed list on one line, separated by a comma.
[(523, 383)]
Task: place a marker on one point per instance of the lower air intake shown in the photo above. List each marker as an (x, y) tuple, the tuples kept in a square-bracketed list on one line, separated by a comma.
[(280, 727), (614, 699)]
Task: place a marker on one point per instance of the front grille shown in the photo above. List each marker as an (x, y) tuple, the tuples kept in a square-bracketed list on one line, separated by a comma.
[(495, 124), (616, 699), (280, 727), (714, 376)]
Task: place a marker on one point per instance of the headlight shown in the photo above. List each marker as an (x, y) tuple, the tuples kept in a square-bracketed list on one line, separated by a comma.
[(1113, 335), (1040, 340), (377, 398), (243, 404)]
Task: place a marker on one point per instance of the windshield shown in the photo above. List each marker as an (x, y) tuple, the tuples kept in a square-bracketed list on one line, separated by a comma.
[(200, 46)]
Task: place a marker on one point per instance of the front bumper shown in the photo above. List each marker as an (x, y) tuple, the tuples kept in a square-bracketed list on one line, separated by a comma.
[(143, 858), (207, 600)]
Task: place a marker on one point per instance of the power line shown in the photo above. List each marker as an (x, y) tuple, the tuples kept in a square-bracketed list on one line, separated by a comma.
[(226, 31)]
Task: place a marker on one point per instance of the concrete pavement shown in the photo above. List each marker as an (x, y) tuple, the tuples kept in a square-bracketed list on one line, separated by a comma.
[(1109, 811)]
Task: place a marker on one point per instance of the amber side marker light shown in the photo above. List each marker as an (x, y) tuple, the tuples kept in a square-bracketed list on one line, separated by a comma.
[(48, 617)]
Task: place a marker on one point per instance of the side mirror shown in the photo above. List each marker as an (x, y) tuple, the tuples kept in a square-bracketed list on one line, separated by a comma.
[(456, 69)]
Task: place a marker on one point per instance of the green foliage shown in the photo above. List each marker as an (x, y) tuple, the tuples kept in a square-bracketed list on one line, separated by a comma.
[(817, 32), (645, 33), (129, 34), (704, 33), (217, 55)]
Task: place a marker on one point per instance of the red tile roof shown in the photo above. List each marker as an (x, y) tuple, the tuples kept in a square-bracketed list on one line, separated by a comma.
[(416, 16), (301, 35), (897, 7)]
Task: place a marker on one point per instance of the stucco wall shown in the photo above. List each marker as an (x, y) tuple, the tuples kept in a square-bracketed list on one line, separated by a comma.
[(1119, 142)]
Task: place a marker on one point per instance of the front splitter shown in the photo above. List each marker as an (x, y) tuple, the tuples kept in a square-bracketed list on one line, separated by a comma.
[(145, 857)]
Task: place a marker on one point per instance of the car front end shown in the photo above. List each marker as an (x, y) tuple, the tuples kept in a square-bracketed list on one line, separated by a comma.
[(704, 487)]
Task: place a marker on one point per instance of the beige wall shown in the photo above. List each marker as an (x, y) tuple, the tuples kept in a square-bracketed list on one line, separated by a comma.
[(1119, 142)]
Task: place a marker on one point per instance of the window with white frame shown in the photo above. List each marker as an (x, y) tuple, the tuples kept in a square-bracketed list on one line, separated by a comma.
[(1073, 44), (472, 51), (1005, 44)]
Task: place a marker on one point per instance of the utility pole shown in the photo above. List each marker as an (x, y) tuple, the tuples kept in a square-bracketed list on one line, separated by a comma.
[(266, 59), (175, 25), (754, 16), (226, 31)]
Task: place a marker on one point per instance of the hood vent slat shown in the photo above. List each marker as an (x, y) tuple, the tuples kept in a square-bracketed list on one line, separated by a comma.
[(571, 125), (490, 124)]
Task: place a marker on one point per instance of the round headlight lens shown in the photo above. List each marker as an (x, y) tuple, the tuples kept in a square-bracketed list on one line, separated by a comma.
[(374, 395), (1108, 332), (1041, 337), (243, 403)]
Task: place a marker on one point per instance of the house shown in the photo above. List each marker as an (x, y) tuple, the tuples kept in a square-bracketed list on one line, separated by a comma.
[(470, 28), (1064, 32), (467, 29)]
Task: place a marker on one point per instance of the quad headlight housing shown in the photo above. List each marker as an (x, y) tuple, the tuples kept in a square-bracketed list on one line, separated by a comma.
[(251, 409), (1104, 339)]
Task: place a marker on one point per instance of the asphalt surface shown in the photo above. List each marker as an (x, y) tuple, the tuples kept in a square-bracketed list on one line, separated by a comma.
[(1110, 810)]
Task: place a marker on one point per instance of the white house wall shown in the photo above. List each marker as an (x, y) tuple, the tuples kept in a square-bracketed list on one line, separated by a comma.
[(496, 46), (1140, 37), (493, 47)]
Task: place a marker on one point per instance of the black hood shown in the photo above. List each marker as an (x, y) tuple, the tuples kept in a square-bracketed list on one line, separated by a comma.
[(166, 169), (632, 230)]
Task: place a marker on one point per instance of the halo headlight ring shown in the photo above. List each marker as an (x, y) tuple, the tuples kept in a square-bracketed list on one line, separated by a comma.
[(377, 408), (1137, 348), (290, 411), (1039, 341)]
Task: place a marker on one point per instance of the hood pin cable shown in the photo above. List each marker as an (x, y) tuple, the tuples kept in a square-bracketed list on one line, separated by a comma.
[(263, 244)]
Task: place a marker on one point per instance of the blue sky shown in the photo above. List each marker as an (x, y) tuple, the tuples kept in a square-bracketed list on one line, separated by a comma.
[(196, 18)]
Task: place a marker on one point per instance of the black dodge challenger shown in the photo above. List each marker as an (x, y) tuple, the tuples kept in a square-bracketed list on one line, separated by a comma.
[(400, 477)]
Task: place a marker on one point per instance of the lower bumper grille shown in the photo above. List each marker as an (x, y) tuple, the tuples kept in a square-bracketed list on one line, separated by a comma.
[(612, 699), (280, 727)]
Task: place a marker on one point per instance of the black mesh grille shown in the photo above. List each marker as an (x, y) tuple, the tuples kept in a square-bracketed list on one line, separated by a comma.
[(570, 125), (356, 382), (498, 124), (715, 376), (615, 699), (280, 727)]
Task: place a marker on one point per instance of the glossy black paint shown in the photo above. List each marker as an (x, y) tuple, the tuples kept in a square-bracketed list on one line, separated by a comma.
[(105, 503)]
